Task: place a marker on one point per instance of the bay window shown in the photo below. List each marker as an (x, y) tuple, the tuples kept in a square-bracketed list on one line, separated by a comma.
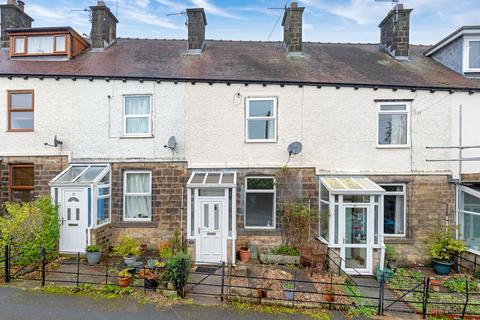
[(260, 203), (137, 196)]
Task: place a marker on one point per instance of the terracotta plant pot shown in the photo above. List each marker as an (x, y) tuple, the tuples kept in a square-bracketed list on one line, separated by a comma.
[(330, 297), (244, 253), (124, 281), (143, 247)]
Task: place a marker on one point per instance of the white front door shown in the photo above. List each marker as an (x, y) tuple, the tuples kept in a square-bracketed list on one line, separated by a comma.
[(356, 233), (74, 213), (213, 244)]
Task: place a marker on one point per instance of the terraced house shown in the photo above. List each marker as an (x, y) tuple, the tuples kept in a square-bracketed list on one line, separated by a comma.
[(145, 136)]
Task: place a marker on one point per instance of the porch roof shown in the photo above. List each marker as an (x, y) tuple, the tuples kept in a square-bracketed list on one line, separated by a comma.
[(81, 175), (351, 185), (212, 180)]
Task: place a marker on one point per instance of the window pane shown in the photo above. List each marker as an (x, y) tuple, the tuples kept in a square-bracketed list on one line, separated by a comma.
[(22, 196), (40, 44), (211, 192), (470, 230), (103, 191), (192, 212), (324, 220), (138, 207), (356, 199), (356, 258), (392, 188), (90, 174), (21, 101), (400, 107), (324, 193), (137, 105), (138, 183), (260, 184), (103, 211), (261, 129), (375, 226), (394, 213), (474, 54), (71, 174), (21, 120), (260, 108), (470, 202), (137, 125), (22, 177), (19, 45), (335, 232), (392, 129), (259, 210), (60, 43)]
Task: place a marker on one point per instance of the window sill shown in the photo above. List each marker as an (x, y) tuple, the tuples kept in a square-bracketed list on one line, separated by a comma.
[(148, 136), (258, 232), (261, 141), (392, 146), (20, 130), (398, 240)]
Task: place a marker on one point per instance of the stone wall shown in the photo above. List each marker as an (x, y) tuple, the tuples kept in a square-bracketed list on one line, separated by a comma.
[(168, 186), (103, 236), (45, 169)]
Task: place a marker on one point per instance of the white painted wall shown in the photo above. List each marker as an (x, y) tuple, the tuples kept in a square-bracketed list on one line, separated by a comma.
[(52, 116), (336, 126)]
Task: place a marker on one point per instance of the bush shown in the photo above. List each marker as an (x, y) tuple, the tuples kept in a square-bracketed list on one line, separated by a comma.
[(127, 246), (177, 269), (92, 248), (285, 251), (28, 227), (295, 220), (443, 244)]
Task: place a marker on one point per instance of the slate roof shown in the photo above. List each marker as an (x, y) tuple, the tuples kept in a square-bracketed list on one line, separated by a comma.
[(244, 61)]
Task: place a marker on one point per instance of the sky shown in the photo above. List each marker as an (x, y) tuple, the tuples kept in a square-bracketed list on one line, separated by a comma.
[(324, 20)]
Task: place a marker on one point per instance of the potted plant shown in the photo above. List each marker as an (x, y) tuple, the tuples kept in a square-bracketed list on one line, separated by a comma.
[(443, 246), (93, 254), (128, 248), (165, 250), (150, 277), (288, 290), (124, 278), (176, 270), (152, 263), (390, 256), (330, 295), (244, 252)]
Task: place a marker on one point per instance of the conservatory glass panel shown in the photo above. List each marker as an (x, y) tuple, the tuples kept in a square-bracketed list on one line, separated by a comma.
[(324, 220), (198, 178), (91, 174), (71, 174)]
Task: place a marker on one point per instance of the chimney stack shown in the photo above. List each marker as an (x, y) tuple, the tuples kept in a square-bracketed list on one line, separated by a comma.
[(12, 15), (395, 32), (196, 22), (292, 29), (104, 26)]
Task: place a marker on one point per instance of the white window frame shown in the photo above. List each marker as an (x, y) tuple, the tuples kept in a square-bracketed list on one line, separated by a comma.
[(273, 191), (466, 54), (407, 111), (273, 117), (136, 194), (396, 193), (475, 193), (149, 117)]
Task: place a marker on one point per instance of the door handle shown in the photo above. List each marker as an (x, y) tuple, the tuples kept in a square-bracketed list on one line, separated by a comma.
[(63, 220)]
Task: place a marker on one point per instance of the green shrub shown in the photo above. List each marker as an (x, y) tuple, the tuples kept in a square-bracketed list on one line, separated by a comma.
[(175, 265), (458, 283), (390, 252), (127, 246), (285, 251), (28, 227), (362, 311), (443, 244), (92, 248)]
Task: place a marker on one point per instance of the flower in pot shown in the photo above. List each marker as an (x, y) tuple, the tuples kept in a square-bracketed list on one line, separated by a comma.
[(128, 248), (444, 246), (390, 256), (244, 252), (152, 263), (124, 278), (93, 254), (150, 277), (288, 290)]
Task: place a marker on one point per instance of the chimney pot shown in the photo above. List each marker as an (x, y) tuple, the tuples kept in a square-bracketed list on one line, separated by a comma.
[(294, 5), (196, 22), (395, 32)]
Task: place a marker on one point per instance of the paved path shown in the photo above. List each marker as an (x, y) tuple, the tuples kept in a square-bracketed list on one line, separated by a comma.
[(26, 305)]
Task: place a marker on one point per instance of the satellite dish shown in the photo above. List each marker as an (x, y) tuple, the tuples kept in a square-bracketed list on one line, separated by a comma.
[(55, 144), (172, 143), (294, 148)]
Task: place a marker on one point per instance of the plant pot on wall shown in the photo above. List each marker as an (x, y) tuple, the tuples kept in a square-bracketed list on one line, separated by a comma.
[(442, 268), (244, 253)]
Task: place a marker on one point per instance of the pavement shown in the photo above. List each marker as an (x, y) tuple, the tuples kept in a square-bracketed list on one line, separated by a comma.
[(18, 304)]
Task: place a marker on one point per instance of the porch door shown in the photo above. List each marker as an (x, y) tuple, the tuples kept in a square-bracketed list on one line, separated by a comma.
[(212, 246), (73, 221), (356, 232)]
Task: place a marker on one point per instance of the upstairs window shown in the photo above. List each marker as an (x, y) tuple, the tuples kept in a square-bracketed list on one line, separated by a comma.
[(137, 115), (39, 45), (472, 55), (20, 110), (261, 120), (393, 124), (21, 182)]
